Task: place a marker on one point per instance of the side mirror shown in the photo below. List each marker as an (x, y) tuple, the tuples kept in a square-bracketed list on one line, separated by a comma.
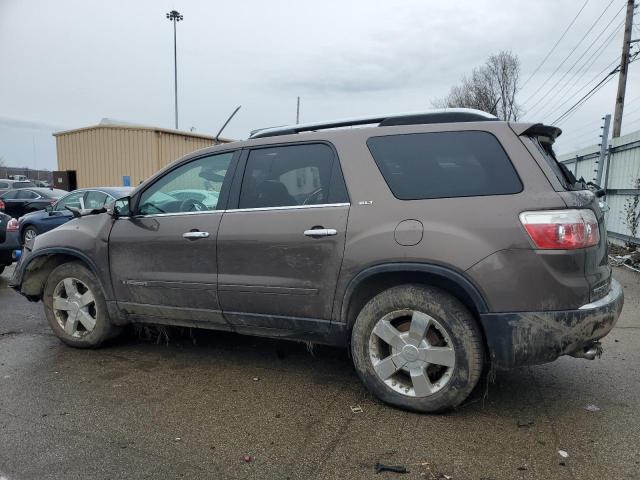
[(48, 209), (121, 207)]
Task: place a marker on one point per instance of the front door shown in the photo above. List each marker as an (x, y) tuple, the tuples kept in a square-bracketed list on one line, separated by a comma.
[(280, 248), (163, 257)]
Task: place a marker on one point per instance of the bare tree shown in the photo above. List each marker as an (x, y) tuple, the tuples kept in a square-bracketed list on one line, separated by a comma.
[(491, 87)]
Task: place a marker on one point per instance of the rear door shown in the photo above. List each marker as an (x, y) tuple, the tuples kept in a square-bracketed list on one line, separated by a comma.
[(281, 242), (163, 258)]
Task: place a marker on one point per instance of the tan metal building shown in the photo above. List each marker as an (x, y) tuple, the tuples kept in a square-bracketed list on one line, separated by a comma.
[(105, 154)]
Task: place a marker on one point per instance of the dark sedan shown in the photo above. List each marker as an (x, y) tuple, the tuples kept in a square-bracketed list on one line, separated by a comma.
[(8, 184), (36, 223), (24, 200)]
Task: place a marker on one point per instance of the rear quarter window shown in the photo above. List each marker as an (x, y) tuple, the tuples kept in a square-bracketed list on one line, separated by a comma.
[(444, 164)]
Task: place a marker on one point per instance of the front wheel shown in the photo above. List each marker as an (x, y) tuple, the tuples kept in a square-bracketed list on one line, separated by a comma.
[(418, 348), (75, 307), (29, 233)]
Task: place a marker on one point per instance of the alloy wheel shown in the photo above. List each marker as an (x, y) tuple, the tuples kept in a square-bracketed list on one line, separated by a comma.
[(29, 234), (412, 353), (74, 307)]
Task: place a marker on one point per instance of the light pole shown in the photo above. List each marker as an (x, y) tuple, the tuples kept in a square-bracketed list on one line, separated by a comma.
[(175, 16)]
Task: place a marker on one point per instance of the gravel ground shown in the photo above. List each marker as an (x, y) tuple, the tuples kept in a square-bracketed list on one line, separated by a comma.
[(193, 407)]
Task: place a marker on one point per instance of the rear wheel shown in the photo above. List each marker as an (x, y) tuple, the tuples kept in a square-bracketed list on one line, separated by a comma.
[(418, 348), (29, 233), (75, 307)]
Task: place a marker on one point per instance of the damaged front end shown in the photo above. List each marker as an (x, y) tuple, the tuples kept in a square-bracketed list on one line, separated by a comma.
[(531, 338)]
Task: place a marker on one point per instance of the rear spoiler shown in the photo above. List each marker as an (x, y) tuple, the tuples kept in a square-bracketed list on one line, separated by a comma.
[(537, 130)]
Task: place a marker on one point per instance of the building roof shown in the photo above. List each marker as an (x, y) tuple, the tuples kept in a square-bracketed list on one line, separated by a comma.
[(109, 123)]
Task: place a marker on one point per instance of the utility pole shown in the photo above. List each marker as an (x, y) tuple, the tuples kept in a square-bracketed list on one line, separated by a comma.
[(298, 112), (624, 67), (604, 145), (175, 16)]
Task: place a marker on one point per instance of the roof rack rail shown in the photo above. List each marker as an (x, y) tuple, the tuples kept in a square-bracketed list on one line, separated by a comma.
[(446, 115)]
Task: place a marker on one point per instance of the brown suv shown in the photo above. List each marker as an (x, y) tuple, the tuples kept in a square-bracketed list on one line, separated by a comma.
[(435, 245)]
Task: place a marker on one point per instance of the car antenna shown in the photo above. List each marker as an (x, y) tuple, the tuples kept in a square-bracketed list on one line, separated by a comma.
[(226, 123)]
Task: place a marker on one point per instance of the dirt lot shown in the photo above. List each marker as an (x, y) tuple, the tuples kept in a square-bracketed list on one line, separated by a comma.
[(139, 409)]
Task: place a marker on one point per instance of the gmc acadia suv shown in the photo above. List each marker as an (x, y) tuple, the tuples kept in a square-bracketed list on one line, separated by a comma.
[(434, 245)]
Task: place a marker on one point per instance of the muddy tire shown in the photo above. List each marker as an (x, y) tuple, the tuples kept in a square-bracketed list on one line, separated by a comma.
[(418, 348), (75, 307)]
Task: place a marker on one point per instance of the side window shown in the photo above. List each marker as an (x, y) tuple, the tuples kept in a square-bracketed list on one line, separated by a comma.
[(26, 195), (10, 195), (444, 164), (95, 200), (192, 187), (4, 185), (73, 200), (287, 176)]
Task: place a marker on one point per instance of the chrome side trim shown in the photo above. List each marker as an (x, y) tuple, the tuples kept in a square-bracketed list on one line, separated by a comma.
[(614, 293), (234, 210), (290, 207), (176, 213)]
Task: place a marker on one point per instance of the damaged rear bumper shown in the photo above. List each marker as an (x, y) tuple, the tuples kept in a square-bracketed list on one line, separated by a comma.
[(530, 338)]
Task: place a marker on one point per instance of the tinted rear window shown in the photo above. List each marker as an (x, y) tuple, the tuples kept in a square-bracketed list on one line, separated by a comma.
[(444, 164)]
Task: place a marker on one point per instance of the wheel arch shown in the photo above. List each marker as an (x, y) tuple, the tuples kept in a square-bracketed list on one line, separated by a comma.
[(37, 267), (373, 280)]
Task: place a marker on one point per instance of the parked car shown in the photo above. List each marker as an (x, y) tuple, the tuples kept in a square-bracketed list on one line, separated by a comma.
[(42, 183), (25, 200), (52, 216), (8, 241), (8, 184), (436, 246)]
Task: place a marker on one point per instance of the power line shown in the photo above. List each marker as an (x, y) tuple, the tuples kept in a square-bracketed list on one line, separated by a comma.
[(570, 53), (556, 44), (586, 97), (616, 61), (567, 114), (586, 64)]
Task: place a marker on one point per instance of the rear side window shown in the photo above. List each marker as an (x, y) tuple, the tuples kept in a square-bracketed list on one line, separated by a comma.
[(444, 164), (291, 175)]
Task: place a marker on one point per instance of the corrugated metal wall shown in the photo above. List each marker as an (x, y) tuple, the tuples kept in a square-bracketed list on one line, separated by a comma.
[(102, 155), (620, 172)]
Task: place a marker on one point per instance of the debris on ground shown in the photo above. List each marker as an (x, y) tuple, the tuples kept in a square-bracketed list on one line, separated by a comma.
[(356, 409), (624, 256), (255, 379), (523, 468), (563, 454), (592, 408), (381, 467), (177, 439), (247, 458), (525, 423)]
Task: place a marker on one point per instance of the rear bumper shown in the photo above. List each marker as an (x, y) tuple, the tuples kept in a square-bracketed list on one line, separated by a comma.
[(530, 338)]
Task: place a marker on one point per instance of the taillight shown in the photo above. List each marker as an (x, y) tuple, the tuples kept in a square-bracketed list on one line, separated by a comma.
[(561, 229), (1, 205), (12, 225)]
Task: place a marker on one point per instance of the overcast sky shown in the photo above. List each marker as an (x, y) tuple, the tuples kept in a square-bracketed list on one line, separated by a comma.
[(67, 64)]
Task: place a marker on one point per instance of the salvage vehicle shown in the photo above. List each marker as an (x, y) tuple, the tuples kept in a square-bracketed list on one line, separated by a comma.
[(436, 246), (40, 221), (25, 200)]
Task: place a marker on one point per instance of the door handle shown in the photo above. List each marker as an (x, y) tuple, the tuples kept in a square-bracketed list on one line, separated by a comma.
[(194, 235), (320, 232)]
